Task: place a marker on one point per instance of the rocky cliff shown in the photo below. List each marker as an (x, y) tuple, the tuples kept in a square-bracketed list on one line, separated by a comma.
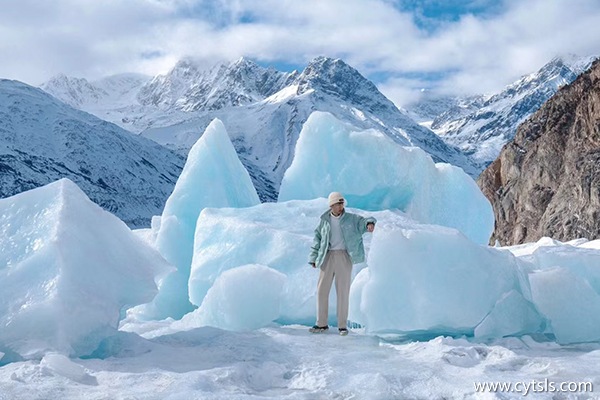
[(546, 182)]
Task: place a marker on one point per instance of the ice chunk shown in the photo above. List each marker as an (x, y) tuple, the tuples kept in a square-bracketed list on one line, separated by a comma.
[(67, 269), (568, 301), (358, 284), (278, 235), (242, 298), (213, 176), (511, 316), (430, 278), (581, 261), (63, 366), (374, 173), (424, 277), (421, 277)]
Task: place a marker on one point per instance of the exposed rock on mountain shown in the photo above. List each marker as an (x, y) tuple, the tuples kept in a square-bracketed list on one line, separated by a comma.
[(43, 140), (547, 181), (492, 122), (187, 87), (264, 133), (263, 111)]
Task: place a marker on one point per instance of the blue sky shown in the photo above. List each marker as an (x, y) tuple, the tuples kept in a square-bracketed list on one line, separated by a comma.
[(450, 47), (433, 15)]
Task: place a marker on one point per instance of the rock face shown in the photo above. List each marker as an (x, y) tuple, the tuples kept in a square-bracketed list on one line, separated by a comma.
[(188, 87), (547, 181)]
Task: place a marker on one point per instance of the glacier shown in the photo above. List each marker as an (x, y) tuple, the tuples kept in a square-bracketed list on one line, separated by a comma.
[(418, 278), (67, 271), (214, 300), (213, 176), (374, 173)]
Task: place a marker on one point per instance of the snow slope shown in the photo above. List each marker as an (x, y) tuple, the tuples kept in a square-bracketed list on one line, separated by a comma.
[(43, 139), (483, 132)]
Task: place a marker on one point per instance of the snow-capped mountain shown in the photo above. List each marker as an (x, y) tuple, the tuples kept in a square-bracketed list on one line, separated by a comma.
[(76, 92), (263, 111), (108, 92), (112, 99), (137, 102), (264, 133), (460, 107), (43, 139), (482, 133), (545, 181), (431, 106), (187, 87)]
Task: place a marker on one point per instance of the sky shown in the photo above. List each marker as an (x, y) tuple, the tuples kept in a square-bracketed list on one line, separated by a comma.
[(448, 47)]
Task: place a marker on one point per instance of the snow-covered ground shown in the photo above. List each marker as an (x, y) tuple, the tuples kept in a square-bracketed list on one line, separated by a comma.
[(287, 362), (215, 300)]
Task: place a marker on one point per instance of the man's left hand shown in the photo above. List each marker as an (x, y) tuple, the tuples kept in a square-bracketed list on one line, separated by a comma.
[(370, 227)]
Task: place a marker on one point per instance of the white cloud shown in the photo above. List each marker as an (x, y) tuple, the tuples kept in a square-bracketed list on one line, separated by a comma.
[(489, 53), (483, 53), (402, 91)]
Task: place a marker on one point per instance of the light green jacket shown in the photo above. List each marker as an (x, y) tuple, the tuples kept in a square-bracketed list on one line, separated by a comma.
[(353, 227)]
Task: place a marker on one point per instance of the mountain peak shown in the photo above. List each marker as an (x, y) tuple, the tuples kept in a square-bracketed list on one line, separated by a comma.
[(184, 68), (189, 87), (243, 61), (578, 64), (329, 66), (335, 77), (239, 65), (62, 79), (328, 73), (321, 60), (483, 131), (73, 91), (58, 78)]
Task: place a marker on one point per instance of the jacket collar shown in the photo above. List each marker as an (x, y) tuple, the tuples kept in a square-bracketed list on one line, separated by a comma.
[(327, 215)]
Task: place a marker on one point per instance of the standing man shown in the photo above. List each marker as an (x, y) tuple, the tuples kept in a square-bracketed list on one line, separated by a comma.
[(337, 245)]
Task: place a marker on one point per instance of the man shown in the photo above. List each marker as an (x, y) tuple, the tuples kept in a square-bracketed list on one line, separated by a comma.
[(337, 245)]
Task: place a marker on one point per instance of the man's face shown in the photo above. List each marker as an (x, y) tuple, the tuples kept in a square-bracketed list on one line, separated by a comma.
[(337, 208)]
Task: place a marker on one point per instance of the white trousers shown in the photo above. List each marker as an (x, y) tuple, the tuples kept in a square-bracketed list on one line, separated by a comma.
[(336, 266)]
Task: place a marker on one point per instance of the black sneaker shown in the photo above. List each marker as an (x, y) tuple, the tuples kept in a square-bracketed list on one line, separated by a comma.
[(318, 329), (343, 331)]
